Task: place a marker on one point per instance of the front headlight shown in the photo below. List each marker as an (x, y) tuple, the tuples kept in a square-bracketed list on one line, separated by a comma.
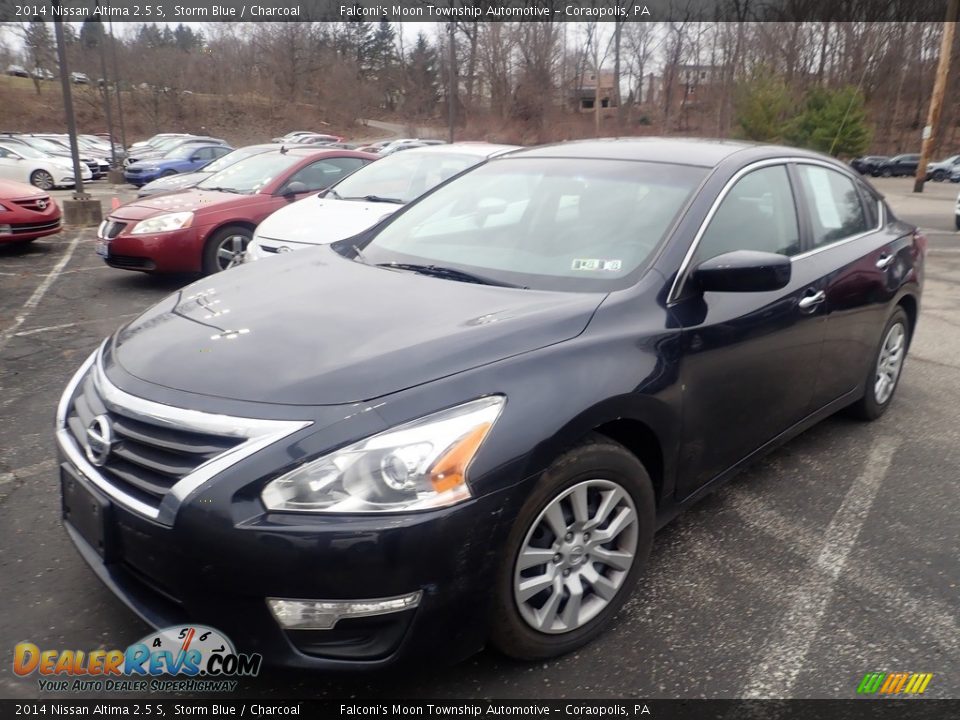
[(163, 223), (417, 466)]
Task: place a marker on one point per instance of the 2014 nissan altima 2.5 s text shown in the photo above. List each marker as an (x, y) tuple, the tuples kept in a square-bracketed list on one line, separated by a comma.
[(464, 426)]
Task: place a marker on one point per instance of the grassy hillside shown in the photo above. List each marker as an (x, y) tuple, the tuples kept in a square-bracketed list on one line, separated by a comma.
[(239, 119)]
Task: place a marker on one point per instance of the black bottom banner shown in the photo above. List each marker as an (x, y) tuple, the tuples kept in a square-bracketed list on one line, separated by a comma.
[(919, 709)]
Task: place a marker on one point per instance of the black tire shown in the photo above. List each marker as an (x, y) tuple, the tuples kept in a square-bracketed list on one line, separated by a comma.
[(869, 407), (956, 220), (42, 179), (939, 175), (213, 260), (886, 172), (597, 459)]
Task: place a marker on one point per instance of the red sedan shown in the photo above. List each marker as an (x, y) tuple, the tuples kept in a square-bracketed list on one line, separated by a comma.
[(26, 213), (204, 229)]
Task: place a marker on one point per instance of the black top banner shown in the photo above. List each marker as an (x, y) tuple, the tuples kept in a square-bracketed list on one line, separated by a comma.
[(917, 709), (140, 11)]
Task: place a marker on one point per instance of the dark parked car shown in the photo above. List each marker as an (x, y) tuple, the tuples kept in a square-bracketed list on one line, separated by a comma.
[(943, 169), (465, 425), (899, 165), (868, 164)]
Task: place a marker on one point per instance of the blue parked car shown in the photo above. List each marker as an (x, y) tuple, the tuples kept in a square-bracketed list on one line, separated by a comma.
[(182, 159)]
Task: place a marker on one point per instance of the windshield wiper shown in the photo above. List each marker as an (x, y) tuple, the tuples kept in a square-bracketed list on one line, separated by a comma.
[(375, 198), (447, 273), (332, 193), (223, 189)]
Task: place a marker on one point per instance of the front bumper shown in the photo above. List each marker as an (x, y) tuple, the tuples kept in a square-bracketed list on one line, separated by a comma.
[(174, 251), (211, 553), (207, 570), (141, 178)]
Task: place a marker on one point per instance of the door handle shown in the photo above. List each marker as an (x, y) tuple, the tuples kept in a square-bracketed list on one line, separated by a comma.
[(885, 260), (810, 301)]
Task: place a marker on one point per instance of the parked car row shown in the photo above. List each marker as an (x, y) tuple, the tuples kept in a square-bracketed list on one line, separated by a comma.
[(77, 78), (901, 165), (479, 405), (45, 160)]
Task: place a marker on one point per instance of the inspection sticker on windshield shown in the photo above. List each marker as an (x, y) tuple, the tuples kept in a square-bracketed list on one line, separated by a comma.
[(594, 264)]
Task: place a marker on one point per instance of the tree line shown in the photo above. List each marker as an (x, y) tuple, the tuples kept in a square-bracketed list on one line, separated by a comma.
[(841, 87)]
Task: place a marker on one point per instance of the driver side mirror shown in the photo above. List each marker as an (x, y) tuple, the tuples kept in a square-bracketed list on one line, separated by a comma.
[(294, 188), (743, 271)]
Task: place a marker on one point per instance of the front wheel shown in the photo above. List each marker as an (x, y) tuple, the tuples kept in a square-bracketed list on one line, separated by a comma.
[(886, 172), (939, 175), (884, 373), (575, 551), (225, 248), (41, 179)]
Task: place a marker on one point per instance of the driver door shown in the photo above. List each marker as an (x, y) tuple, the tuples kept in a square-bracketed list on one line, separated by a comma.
[(749, 360)]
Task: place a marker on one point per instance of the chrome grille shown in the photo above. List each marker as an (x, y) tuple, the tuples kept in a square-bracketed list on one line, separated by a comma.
[(38, 204), (145, 460)]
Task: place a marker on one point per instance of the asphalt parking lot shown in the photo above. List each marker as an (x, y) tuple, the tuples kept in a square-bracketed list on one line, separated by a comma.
[(835, 556)]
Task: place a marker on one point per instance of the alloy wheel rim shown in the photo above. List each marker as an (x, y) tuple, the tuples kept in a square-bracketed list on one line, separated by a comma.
[(44, 180), (889, 363), (230, 250), (576, 556)]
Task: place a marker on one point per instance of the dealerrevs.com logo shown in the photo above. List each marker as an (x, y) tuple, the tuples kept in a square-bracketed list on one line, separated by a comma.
[(896, 683), (192, 658)]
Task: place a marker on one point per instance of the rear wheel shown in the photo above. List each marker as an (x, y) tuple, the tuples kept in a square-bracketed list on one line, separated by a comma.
[(574, 552), (939, 175), (41, 179), (886, 172), (225, 248), (884, 374)]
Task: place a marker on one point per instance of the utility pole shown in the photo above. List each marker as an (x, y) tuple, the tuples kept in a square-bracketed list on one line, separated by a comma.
[(101, 41), (117, 89), (452, 81), (78, 191), (939, 87), (81, 210)]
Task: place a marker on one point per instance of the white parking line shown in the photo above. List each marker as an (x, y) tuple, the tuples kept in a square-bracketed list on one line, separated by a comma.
[(64, 326), (783, 657), (38, 294)]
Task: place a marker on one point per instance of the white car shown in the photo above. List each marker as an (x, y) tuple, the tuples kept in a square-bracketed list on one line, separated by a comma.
[(366, 197), (25, 164)]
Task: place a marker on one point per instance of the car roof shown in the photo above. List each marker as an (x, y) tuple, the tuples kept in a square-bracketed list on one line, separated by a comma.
[(698, 152), (478, 149), (683, 151)]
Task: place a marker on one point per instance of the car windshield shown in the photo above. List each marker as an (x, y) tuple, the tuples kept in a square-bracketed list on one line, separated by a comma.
[(26, 151), (45, 145), (543, 223), (181, 152), (252, 174), (403, 177), (230, 158)]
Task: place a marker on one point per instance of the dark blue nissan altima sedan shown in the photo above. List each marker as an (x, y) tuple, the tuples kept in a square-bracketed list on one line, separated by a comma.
[(465, 425)]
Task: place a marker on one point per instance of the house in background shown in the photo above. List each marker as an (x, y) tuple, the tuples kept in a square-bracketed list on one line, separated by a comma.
[(588, 90)]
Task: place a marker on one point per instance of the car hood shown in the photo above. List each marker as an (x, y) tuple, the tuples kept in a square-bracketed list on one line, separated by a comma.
[(13, 190), (180, 181), (318, 221), (314, 328), (187, 200)]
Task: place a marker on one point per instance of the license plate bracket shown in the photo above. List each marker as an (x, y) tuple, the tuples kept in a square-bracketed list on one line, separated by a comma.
[(102, 248), (87, 511)]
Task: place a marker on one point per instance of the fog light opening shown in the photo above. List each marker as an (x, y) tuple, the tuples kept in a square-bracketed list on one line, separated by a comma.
[(325, 614)]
